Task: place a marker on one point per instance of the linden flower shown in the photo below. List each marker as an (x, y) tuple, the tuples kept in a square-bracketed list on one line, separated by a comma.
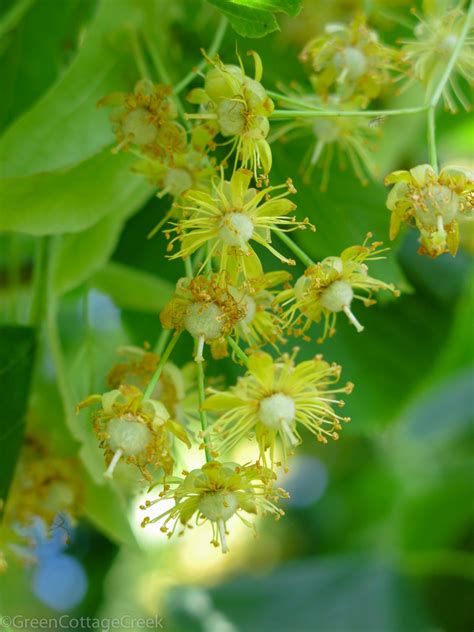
[(44, 486), (216, 493), (350, 136), (260, 325), (437, 35), (207, 310), (433, 202), (146, 119), (234, 215), (184, 171), (175, 388), (329, 287), (240, 108), (349, 61), (135, 429), (272, 399)]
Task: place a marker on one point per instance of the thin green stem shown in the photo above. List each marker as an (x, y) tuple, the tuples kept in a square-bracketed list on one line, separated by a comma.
[(202, 413), (431, 128), (38, 303), (238, 351), (54, 341), (213, 49), (159, 367), (138, 56), (296, 250), (14, 15), (454, 57), (162, 341), (162, 72), (315, 113), (188, 266)]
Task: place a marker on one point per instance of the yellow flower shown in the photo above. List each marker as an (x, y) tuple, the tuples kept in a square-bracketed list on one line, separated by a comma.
[(175, 389), (180, 173), (329, 287), (437, 35), (273, 399), (260, 324), (146, 119), (207, 309), (239, 107), (349, 61), (433, 202), (232, 217), (216, 493), (134, 429)]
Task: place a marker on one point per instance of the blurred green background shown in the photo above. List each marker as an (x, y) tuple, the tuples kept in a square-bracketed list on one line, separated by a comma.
[(378, 532)]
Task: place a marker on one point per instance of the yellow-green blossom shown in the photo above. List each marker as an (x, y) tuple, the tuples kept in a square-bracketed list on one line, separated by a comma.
[(437, 35), (238, 107), (145, 119), (329, 287), (432, 202), (134, 429), (207, 309), (230, 219), (216, 493), (275, 398), (349, 60)]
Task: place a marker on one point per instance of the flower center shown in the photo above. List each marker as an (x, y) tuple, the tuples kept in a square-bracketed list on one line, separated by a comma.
[(236, 229), (337, 296), (433, 201), (137, 126), (351, 61), (131, 437), (177, 181), (204, 320), (277, 410), (217, 506)]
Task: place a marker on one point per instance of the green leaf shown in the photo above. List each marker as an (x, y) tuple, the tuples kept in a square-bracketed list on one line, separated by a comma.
[(65, 126), (17, 351), (79, 255), (133, 289), (70, 200), (254, 18), (26, 77), (107, 511)]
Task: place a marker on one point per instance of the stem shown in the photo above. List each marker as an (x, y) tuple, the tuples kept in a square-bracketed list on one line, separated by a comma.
[(238, 351), (162, 341), (162, 72), (14, 15), (113, 463), (202, 413), (138, 56), (188, 266), (159, 367), (54, 340), (213, 48), (315, 113), (38, 303), (432, 151), (454, 56), (296, 250)]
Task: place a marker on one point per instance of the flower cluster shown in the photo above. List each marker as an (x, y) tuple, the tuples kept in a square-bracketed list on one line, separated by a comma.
[(228, 224)]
